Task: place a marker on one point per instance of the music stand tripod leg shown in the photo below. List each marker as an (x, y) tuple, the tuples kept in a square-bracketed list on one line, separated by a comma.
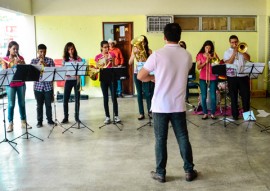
[(56, 122), (27, 135), (149, 123)]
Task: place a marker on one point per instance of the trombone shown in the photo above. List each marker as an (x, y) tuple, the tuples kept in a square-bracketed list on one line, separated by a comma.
[(242, 47)]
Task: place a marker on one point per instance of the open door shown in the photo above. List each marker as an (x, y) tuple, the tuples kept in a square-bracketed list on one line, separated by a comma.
[(123, 33)]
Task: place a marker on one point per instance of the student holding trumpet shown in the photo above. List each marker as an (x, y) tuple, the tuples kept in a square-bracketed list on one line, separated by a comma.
[(11, 60), (43, 90)]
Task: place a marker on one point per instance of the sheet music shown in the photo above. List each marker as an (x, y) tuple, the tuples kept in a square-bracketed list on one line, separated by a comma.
[(72, 66), (53, 74), (140, 66), (37, 66), (6, 76), (257, 68)]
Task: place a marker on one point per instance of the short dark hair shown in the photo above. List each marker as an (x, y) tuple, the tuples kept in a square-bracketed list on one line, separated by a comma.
[(103, 42), (172, 32), (233, 37), (42, 47)]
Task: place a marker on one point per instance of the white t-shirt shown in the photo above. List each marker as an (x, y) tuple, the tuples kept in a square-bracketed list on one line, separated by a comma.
[(171, 65), (237, 67)]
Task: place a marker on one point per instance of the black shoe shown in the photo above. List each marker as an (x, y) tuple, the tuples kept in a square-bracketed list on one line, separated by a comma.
[(39, 125), (158, 177), (191, 175), (51, 122), (65, 120)]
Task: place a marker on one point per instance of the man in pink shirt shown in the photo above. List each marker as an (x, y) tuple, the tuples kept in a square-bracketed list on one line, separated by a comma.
[(171, 65)]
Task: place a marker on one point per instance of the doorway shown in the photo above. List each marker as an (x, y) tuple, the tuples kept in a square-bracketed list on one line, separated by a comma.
[(122, 32)]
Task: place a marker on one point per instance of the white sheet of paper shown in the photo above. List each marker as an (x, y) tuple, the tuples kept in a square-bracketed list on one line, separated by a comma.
[(262, 113), (72, 66), (6, 76)]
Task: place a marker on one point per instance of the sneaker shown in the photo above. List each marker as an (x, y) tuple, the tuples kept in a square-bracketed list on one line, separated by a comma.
[(39, 125), (117, 119), (107, 120), (10, 127), (65, 120), (191, 175), (25, 124), (158, 177), (51, 122)]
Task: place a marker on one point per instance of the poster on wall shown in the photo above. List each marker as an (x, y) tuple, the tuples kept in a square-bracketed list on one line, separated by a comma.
[(9, 27)]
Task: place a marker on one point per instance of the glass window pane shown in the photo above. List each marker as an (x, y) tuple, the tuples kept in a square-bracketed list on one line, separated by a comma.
[(188, 23), (214, 23), (243, 23)]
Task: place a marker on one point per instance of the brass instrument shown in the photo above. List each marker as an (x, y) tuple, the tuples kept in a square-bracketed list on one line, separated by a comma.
[(9, 64), (242, 47), (215, 60), (93, 72), (140, 53)]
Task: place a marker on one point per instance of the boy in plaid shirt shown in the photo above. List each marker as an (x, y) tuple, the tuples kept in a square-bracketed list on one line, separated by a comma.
[(43, 90)]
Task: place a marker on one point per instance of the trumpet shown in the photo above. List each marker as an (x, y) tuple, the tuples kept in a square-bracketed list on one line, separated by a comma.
[(242, 47)]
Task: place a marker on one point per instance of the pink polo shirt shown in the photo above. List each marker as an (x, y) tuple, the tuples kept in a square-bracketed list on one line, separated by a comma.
[(206, 71), (171, 65)]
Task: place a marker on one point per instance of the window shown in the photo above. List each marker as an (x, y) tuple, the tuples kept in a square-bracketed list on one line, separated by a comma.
[(188, 23), (157, 23), (214, 23), (217, 23)]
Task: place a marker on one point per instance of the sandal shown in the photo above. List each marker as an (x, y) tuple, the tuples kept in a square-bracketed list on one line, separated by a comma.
[(205, 116)]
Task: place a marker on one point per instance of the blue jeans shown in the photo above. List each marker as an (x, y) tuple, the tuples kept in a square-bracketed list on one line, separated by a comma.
[(161, 124), (204, 90), (11, 93), (119, 87), (148, 89)]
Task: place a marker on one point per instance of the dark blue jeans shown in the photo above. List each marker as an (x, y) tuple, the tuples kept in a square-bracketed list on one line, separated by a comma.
[(204, 91), (148, 89), (161, 124), (119, 87)]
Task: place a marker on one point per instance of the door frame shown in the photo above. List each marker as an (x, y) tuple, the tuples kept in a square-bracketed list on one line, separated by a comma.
[(131, 68)]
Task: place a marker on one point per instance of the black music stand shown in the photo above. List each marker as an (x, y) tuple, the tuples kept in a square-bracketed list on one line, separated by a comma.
[(27, 72), (221, 70), (76, 69), (4, 80), (253, 70), (51, 74), (111, 75)]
